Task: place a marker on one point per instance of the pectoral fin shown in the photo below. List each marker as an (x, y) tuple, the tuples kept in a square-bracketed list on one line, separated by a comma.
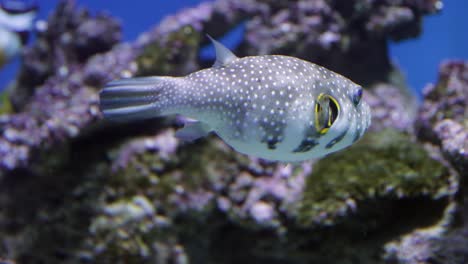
[(193, 130)]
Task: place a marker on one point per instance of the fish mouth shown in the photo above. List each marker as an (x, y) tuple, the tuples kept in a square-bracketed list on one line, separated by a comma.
[(366, 123), (369, 116)]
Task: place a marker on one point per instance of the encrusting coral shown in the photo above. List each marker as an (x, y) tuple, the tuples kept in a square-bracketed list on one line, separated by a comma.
[(385, 165), (78, 189), (443, 116)]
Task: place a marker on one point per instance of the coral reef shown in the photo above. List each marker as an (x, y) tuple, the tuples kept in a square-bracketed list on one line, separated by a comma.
[(443, 116), (62, 103), (391, 107), (441, 122), (65, 41), (336, 33), (160, 194), (77, 189), (64, 71), (396, 167)]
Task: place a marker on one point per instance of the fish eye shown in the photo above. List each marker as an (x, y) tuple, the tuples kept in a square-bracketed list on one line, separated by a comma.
[(327, 110), (357, 97)]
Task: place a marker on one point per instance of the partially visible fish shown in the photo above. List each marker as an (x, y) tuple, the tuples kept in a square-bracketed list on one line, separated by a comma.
[(16, 21), (273, 107)]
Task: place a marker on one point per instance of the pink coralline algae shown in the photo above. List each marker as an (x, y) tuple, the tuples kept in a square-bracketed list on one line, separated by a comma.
[(442, 119), (51, 92), (391, 107), (78, 189), (313, 28)]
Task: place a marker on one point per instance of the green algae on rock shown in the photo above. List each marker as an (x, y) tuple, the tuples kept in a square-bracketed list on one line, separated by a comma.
[(149, 200), (126, 230), (5, 103), (153, 186), (160, 195), (385, 165), (171, 54), (173, 203)]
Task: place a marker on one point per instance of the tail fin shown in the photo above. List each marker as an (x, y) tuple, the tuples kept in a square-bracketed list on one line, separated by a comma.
[(134, 98)]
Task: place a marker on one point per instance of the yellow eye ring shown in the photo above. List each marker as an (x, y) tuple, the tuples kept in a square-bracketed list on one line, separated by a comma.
[(327, 110)]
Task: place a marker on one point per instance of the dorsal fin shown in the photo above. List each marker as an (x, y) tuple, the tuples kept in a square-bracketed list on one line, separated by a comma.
[(223, 55)]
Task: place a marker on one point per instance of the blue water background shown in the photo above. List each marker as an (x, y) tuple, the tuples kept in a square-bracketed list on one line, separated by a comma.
[(445, 35)]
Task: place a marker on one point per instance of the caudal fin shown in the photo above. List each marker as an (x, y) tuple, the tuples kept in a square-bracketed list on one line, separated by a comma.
[(134, 98)]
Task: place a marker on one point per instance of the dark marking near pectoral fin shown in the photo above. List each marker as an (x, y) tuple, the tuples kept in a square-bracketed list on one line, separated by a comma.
[(336, 140), (309, 140), (306, 145), (271, 143), (356, 137), (274, 133)]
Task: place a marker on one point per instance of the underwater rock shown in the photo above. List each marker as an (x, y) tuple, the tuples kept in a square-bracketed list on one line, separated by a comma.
[(80, 190), (61, 108), (335, 34), (271, 202), (317, 31), (391, 108), (173, 54), (442, 119), (385, 164), (67, 39), (451, 247), (183, 195), (442, 122), (243, 188), (56, 71), (415, 247), (443, 243), (62, 60)]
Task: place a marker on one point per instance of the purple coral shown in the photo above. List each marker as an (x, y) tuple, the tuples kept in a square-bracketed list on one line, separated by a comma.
[(62, 105), (391, 108), (151, 180), (442, 117)]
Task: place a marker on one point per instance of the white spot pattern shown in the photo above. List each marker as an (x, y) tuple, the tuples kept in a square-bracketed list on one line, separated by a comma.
[(264, 106), (265, 103)]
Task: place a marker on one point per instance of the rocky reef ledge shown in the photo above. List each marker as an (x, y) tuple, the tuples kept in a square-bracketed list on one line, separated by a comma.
[(77, 189)]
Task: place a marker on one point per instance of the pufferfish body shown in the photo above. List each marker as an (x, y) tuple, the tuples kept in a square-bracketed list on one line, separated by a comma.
[(273, 107)]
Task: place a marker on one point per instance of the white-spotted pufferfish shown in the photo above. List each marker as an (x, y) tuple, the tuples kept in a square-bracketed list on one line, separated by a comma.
[(273, 107)]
